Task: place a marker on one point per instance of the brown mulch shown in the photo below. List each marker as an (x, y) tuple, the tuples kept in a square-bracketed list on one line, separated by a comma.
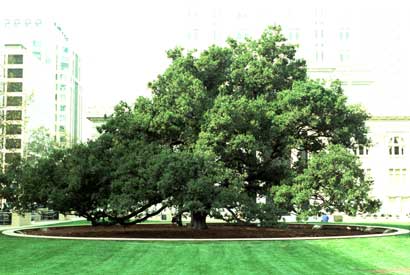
[(219, 231)]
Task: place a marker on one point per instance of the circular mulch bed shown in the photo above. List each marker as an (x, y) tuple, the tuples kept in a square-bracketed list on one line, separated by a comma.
[(215, 231)]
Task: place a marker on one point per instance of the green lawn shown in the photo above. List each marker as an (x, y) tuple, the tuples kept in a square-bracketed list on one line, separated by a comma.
[(384, 255)]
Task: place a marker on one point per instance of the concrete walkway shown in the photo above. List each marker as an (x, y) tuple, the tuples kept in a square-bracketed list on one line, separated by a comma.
[(14, 233), (35, 224)]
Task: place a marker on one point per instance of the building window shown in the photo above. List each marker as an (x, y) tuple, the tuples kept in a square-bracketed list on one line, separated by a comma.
[(15, 59), (13, 87), (344, 35), (396, 146), (17, 22), (397, 175), (293, 35), (319, 55), (13, 129), (36, 43), (11, 157), (15, 73), (13, 143), (61, 128), (14, 115), (368, 174), (62, 108), (37, 54), (344, 56), (14, 101), (361, 150), (195, 34), (63, 66)]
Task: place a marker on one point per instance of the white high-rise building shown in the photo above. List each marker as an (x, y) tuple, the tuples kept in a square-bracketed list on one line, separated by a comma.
[(40, 82), (26, 102)]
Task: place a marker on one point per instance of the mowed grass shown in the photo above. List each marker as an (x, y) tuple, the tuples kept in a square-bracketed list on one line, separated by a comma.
[(383, 255)]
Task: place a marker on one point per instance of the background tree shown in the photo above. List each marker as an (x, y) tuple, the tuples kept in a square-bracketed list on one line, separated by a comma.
[(40, 143), (333, 181)]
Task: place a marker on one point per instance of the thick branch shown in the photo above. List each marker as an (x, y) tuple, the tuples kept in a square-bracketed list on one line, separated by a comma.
[(234, 215), (149, 215)]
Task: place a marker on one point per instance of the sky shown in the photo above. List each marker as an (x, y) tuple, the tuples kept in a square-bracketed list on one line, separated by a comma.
[(122, 43)]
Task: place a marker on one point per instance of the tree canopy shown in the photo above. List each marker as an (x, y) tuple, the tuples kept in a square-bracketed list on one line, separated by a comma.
[(236, 132)]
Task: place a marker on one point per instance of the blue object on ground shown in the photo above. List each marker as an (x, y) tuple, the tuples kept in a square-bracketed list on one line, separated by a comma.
[(325, 218)]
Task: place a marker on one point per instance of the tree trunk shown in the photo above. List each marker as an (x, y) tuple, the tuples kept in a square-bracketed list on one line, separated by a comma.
[(198, 220), (177, 219), (94, 222)]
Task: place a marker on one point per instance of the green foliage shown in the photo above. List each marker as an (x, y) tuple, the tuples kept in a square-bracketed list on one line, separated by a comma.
[(40, 143), (218, 137), (25, 184), (314, 115), (333, 181), (203, 185), (264, 66)]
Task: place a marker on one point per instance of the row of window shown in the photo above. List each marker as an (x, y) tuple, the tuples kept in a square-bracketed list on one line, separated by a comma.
[(397, 172), (291, 35), (396, 175), (344, 56), (18, 22), (344, 35), (361, 150), (395, 147), (16, 87)]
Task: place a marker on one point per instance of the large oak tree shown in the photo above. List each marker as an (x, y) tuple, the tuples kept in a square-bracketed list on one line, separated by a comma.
[(228, 132)]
